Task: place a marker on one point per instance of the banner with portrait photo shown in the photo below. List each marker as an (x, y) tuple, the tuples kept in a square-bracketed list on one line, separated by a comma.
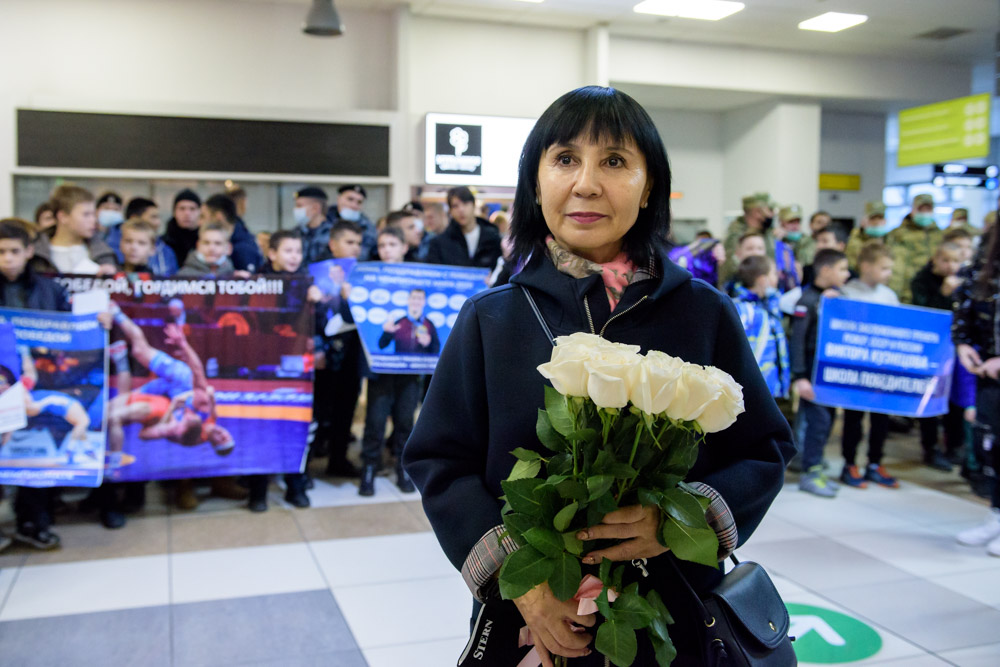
[(208, 377), (404, 312), (895, 360), (53, 397)]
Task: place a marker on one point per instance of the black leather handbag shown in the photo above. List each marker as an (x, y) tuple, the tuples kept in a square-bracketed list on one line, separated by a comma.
[(744, 620)]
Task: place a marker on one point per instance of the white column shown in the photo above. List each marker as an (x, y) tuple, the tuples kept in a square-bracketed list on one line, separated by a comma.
[(598, 54), (8, 153), (772, 148)]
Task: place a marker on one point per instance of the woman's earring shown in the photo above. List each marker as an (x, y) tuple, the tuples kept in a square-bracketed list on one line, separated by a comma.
[(537, 203), (644, 204)]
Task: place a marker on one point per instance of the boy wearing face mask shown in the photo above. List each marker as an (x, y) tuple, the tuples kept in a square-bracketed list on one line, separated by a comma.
[(313, 225), (913, 243), (872, 228), (794, 236), (756, 299)]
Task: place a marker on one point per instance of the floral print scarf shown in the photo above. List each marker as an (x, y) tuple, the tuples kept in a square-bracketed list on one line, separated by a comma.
[(617, 274)]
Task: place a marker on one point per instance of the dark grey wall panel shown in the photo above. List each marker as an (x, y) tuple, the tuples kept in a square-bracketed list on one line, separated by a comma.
[(120, 141)]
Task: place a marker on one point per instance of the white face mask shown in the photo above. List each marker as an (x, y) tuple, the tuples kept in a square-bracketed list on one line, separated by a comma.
[(301, 215), (109, 217), (350, 214)]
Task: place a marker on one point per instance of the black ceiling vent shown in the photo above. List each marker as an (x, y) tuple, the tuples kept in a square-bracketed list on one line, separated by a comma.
[(943, 33)]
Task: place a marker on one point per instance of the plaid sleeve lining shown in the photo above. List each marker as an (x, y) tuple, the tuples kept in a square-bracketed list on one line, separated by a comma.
[(484, 561), (720, 519)]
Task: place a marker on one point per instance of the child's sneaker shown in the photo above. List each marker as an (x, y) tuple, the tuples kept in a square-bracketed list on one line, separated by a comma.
[(993, 548), (4, 541), (987, 532), (38, 538), (816, 483), (851, 476), (878, 474)]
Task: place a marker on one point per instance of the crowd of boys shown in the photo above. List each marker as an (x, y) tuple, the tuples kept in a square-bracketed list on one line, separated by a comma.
[(75, 232)]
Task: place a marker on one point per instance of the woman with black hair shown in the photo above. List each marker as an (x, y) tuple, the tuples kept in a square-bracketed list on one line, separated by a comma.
[(590, 215), (976, 334)]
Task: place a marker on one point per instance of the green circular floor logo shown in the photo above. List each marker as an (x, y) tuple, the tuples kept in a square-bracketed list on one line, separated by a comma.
[(828, 637)]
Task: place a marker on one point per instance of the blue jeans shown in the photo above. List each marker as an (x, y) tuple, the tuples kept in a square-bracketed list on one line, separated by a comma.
[(819, 421)]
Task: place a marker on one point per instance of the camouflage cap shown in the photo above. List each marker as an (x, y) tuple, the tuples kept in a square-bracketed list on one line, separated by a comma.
[(874, 209), (923, 200), (793, 212), (960, 213), (756, 199)]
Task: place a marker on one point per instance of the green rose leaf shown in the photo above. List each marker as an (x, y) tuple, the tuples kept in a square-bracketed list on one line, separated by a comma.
[(518, 524), (663, 649), (557, 407), (565, 517), (555, 480), (702, 499), (622, 471), (584, 435), (573, 544), (572, 489), (525, 470), (650, 497), (683, 507), (560, 464), (520, 494), (662, 613), (632, 610), (523, 570), (603, 605), (603, 461), (604, 571), (547, 435), (698, 545), (599, 508), (599, 485), (522, 454), (617, 641), (549, 542), (549, 501), (565, 578)]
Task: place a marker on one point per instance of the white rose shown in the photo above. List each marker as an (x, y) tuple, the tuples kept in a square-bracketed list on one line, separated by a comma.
[(721, 413), (656, 385), (567, 369), (611, 374), (695, 391)]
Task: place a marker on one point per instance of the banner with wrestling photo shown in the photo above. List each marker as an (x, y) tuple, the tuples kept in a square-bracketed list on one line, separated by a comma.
[(208, 377), (404, 312), (895, 360), (53, 393)]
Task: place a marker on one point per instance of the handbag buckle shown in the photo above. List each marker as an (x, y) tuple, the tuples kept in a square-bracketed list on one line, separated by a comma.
[(641, 564)]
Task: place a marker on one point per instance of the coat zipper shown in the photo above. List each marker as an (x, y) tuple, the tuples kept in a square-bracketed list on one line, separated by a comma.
[(590, 319)]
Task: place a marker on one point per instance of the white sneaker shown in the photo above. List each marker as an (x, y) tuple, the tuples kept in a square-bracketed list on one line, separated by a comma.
[(986, 533), (993, 548)]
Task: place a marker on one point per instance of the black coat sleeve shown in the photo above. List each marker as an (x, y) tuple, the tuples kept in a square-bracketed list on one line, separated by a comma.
[(747, 460), (434, 255), (447, 451), (797, 343)]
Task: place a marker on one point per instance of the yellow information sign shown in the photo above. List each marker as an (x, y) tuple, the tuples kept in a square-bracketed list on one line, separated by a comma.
[(840, 181), (953, 130)]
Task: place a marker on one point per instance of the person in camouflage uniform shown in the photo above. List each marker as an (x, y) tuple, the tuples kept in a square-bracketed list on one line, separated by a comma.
[(872, 228), (757, 217), (802, 244), (913, 243), (960, 220)]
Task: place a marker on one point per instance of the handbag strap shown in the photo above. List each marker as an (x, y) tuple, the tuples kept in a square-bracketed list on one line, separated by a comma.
[(706, 616), (538, 314)]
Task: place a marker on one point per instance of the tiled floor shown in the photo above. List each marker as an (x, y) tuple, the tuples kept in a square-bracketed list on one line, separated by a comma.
[(328, 585)]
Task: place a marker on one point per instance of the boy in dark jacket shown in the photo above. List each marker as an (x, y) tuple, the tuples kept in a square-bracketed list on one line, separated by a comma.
[(211, 256), (338, 360), (468, 240), (934, 287), (21, 287), (831, 275), (388, 394), (285, 258)]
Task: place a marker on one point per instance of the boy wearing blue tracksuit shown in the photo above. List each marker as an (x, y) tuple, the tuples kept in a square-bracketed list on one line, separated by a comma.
[(756, 299)]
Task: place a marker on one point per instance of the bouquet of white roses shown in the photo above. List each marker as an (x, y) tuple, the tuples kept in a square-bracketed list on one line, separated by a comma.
[(623, 429)]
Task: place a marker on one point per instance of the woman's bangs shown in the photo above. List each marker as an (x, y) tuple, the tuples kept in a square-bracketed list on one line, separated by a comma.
[(599, 121)]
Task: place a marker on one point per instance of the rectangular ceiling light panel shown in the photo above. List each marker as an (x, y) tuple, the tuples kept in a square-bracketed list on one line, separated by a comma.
[(706, 10), (833, 22)]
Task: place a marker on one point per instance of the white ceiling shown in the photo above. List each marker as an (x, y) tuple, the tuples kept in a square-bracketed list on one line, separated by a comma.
[(890, 31)]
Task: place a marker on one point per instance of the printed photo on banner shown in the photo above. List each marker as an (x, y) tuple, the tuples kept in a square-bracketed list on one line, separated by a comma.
[(330, 278), (208, 377), (404, 312), (53, 397), (890, 359)]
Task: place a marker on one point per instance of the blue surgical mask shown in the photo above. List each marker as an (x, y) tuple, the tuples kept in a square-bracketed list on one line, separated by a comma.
[(350, 214), (108, 217), (877, 231), (923, 219), (794, 237), (301, 215)]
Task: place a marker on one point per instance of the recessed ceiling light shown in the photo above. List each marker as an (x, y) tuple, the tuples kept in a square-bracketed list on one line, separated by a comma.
[(833, 22), (707, 10), (535, 1)]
